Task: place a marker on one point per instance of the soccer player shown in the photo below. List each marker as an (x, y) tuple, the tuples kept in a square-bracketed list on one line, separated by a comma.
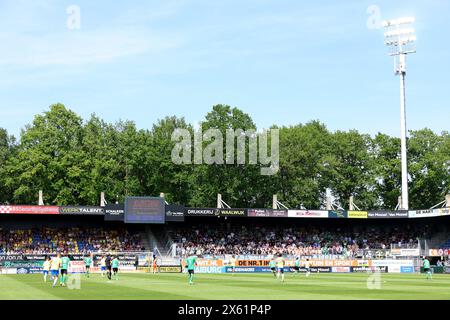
[(190, 266), (155, 264), (103, 266), (46, 268), (307, 266), (233, 264), (87, 264), (65, 261), (297, 266), (427, 268), (108, 266), (54, 268), (115, 267), (280, 267), (272, 266)]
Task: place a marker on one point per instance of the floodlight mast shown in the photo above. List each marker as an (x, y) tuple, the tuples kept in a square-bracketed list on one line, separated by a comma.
[(401, 41)]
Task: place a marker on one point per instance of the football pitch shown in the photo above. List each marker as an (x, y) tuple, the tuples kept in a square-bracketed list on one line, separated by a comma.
[(229, 287)]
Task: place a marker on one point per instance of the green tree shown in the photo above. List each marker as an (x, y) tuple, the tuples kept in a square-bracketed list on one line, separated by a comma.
[(304, 161), (385, 152), (239, 184), (7, 149), (350, 169), (48, 158), (163, 175), (428, 168)]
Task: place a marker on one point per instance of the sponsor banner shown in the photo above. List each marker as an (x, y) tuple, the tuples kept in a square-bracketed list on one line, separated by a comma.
[(406, 252), (9, 271), (335, 263), (34, 257), (170, 269), (7, 209), (267, 213), (447, 269), (208, 269), (23, 270), (21, 264), (320, 269), (77, 267), (438, 252), (175, 213), (390, 262), (250, 269), (211, 212), (381, 214), (313, 263), (126, 268), (363, 263), (200, 212), (357, 214), (29, 270), (341, 269), (429, 213), (226, 212), (209, 263), (12, 257), (382, 269), (252, 263), (114, 212), (75, 210), (406, 269), (395, 266), (312, 269), (337, 214), (308, 214)]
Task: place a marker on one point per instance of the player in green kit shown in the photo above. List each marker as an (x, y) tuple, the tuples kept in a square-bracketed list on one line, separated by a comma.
[(427, 268), (190, 266), (272, 266), (65, 261), (87, 264), (115, 267)]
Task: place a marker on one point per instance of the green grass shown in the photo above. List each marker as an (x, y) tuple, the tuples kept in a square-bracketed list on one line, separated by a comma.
[(230, 287)]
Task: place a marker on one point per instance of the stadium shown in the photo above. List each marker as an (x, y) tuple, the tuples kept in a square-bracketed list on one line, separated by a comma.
[(350, 254)]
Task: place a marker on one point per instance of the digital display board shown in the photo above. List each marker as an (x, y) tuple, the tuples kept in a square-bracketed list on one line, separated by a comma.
[(145, 210)]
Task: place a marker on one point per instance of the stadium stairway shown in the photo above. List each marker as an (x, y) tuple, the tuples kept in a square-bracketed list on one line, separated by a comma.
[(158, 239)]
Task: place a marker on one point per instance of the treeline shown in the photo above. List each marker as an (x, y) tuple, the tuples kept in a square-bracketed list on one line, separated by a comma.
[(73, 160)]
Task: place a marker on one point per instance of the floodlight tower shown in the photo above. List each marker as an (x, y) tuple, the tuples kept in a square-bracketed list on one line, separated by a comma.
[(400, 39)]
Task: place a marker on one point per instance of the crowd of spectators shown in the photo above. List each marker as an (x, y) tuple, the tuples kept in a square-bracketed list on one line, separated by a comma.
[(290, 240), (70, 240)]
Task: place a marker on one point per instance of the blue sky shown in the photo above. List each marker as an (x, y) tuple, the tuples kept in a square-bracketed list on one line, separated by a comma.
[(281, 61)]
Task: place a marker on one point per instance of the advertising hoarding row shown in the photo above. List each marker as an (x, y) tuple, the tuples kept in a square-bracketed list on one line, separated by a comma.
[(154, 210), (335, 266), (320, 266)]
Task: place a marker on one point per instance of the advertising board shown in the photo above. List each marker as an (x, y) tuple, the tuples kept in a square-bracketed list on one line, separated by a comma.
[(78, 210), (12, 209), (308, 214), (357, 214), (267, 213)]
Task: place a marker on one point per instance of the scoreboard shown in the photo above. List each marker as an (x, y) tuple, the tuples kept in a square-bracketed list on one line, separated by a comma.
[(145, 210)]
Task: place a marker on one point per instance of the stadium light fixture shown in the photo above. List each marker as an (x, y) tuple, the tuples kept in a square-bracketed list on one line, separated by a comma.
[(400, 39)]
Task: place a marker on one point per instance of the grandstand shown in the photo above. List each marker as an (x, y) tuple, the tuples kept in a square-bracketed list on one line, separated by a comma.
[(341, 245), (222, 234)]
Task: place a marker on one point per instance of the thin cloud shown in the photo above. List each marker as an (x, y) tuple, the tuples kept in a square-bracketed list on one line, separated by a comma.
[(79, 48)]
